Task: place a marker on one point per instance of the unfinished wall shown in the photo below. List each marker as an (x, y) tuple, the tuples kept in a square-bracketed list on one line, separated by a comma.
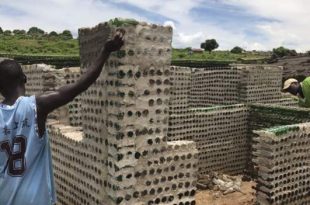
[(125, 123), (45, 78), (214, 87), (226, 86), (282, 157), (259, 83), (221, 132), (221, 137)]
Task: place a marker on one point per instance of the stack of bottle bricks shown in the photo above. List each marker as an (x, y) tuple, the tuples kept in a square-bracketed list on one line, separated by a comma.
[(43, 78), (180, 116), (260, 83), (220, 133), (214, 87), (283, 160), (123, 156)]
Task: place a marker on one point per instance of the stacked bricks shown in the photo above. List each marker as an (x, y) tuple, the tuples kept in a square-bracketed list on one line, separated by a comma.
[(72, 164), (265, 115), (283, 160), (221, 136), (125, 119), (214, 87), (180, 117), (181, 83), (227, 86), (220, 133), (43, 78), (259, 84)]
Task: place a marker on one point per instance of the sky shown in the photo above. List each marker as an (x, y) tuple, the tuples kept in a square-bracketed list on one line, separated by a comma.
[(250, 24)]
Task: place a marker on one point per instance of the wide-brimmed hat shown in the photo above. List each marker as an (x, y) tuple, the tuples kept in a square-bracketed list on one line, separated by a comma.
[(288, 83)]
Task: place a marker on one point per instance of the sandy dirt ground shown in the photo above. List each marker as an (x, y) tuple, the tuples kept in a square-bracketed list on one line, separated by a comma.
[(215, 198)]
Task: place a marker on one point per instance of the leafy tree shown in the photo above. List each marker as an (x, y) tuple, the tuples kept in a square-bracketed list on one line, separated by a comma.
[(7, 32), (19, 32), (66, 35), (53, 34), (209, 45), (35, 31), (1, 31), (237, 50), (282, 51)]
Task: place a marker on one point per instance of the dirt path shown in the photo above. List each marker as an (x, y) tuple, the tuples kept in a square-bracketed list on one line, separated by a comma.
[(236, 198)]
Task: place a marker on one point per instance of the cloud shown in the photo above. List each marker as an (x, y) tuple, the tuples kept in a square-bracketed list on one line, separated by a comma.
[(60, 14), (290, 27), (258, 24)]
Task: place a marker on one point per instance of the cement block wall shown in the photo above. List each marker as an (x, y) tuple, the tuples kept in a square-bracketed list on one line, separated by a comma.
[(221, 133), (214, 87), (45, 78), (283, 160), (125, 122)]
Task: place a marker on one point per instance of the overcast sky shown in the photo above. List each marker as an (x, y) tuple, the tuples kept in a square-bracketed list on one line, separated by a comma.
[(251, 24)]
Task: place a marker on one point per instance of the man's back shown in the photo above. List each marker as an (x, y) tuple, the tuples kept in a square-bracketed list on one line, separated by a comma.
[(25, 159)]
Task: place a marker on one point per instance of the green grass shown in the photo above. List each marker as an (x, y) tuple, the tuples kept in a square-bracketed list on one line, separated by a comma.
[(52, 46), (26, 45), (182, 54)]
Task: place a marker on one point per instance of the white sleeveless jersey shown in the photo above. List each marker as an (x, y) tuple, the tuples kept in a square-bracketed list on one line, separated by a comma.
[(26, 175)]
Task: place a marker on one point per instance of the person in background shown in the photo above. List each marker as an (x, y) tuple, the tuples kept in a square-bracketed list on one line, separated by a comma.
[(299, 89), (26, 175)]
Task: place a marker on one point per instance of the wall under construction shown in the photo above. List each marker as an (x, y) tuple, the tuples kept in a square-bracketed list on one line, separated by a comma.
[(43, 78), (122, 156), (142, 120), (283, 160)]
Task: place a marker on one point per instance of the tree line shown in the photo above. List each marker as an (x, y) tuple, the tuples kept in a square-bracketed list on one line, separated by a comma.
[(37, 32), (211, 44)]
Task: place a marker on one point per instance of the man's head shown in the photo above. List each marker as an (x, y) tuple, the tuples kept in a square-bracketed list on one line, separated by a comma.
[(292, 86), (11, 77)]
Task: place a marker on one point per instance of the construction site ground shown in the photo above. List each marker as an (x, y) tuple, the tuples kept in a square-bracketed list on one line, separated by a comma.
[(211, 197)]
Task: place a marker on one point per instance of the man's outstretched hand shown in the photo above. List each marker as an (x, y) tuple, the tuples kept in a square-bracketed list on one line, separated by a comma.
[(116, 43)]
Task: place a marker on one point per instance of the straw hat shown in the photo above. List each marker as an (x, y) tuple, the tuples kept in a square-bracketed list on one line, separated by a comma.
[(288, 83)]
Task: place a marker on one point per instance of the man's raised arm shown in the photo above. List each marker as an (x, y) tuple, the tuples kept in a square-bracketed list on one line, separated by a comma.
[(46, 103)]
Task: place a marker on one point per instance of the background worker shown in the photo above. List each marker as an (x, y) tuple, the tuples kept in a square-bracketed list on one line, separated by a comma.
[(299, 89)]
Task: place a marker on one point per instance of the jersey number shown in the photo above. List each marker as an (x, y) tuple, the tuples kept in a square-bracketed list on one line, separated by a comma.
[(16, 154)]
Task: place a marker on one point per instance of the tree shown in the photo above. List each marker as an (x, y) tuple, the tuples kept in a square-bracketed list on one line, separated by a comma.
[(19, 32), (7, 32), (282, 51), (1, 31), (66, 35), (53, 34), (209, 45), (237, 50), (35, 31)]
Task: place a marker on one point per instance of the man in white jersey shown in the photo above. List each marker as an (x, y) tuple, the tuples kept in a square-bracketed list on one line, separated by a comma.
[(26, 176)]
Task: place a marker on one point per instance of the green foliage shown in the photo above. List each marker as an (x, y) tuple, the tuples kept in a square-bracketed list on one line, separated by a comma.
[(282, 51), (219, 55), (209, 45), (123, 22), (19, 32), (66, 35), (35, 31), (237, 49), (1, 31), (43, 45), (181, 55), (53, 34), (7, 33)]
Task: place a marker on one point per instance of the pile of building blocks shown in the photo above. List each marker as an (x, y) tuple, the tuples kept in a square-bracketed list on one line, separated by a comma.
[(43, 78), (283, 160), (125, 124)]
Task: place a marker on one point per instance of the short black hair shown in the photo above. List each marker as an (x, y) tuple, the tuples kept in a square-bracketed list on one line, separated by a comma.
[(11, 75)]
